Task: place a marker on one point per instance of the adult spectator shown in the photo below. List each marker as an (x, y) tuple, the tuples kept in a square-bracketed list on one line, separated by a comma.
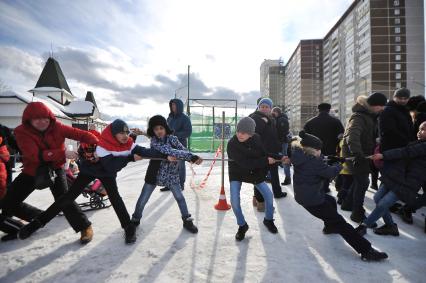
[(181, 126), (327, 128), (359, 142), (283, 131)]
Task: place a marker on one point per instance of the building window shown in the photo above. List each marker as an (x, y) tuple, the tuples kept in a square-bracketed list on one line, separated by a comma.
[(396, 2), (397, 66), (397, 12), (398, 85), (397, 21), (397, 30), (397, 39), (398, 76), (397, 57), (398, 48)]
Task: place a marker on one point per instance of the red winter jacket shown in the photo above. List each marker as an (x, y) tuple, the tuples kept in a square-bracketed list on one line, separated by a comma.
[(50, 142), (4, 157)]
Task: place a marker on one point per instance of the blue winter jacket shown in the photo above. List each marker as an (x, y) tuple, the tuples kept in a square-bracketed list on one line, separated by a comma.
[(310, 172), (179, 123)]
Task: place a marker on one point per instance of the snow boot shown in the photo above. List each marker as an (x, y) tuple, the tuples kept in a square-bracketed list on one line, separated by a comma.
[(86, 235), (281, 195), (130, 234), (361, 229), (188, 225), (270, 225), (287, 181), (373, 255), (135, 221), (241, 232), (28, 229), (387, 230), (261, 206)]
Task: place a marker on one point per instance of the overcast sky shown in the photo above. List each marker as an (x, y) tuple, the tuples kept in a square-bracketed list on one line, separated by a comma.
[(134, 54)]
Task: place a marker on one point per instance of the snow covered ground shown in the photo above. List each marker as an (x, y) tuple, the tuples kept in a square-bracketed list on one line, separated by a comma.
[(164, 252)]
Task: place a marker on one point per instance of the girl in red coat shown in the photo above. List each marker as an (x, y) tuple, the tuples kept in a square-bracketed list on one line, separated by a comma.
[(41, 139)]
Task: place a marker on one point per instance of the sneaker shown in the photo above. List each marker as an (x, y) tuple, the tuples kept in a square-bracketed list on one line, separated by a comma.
[(373, 255), (357, 217), (130, 234), (270, 225), (86, 235), (165, 189), (135, 221), (241, 233), (326, 230), (29, 229), (261, 206), (189, 226), (254, 201), (281, 195), (387, 230), (361, 229), (287, 181)]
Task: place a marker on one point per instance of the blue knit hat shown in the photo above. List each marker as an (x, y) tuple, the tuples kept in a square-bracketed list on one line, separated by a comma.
[(265, 100)]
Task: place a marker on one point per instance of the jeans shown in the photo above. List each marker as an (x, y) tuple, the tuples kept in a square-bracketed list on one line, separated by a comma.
[(286, 166), (384, 199), (236, 205), (146, 194), (327, 211), (182, 172)]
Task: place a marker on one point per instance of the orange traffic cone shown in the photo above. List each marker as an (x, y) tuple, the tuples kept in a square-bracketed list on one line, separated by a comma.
[(222, 204)]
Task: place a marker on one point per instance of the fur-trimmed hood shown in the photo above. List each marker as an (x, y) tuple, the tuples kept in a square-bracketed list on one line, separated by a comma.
[(362, 105)]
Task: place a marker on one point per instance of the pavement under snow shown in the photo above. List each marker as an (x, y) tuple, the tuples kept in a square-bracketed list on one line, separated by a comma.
[(164, 252)]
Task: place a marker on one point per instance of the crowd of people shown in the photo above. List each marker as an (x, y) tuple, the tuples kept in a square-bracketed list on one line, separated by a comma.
[(380, 137)]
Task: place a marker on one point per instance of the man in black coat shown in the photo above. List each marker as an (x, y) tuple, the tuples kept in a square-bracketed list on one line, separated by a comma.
[(283, 131), (395, 124), (327, 128)]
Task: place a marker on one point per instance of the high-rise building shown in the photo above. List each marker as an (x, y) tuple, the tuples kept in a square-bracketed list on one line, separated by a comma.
[(303, 83), (272, 81)]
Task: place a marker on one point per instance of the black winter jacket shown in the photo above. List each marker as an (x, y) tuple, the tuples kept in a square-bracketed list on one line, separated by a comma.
[(283, 128), (404, 170), (267, 130), (310, 172), (327, 128), (395, 127), (249, 160)]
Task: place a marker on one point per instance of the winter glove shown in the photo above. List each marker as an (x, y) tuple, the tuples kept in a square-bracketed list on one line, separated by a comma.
[(194, 158)]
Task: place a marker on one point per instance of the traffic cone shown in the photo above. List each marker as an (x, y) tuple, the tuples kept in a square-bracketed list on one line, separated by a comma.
[(222, 204)]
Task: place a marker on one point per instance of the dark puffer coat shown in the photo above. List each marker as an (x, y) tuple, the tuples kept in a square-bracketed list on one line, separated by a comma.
[(404, 170), (267, 130), (249, 160), (395, 127)]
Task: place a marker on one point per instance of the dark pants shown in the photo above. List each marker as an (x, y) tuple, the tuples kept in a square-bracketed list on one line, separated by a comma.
[(345, 188), (327, 211), (64, 202), (275, 182), (357, 191), (23, 186)]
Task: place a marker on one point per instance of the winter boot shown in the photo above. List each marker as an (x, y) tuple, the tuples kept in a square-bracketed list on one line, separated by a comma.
[(188, 225), (287, 181), (261, 206), (86, 235), (135, 221), (373, 255), (165, 189), (254, 201), (326, 230), (270, 225), (241, 232), (361, 229), (387, 230), (281, 195), (130, 234), (358, 216), (28, 229)]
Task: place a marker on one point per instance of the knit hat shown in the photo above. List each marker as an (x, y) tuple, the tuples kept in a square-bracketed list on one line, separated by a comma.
[(157, 120), (324, 107), (377, 99), (266, 101), (402, 92), (246, 125), (277, 110), (119, 126), (414, 101), (421, 107), (310, 140)]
